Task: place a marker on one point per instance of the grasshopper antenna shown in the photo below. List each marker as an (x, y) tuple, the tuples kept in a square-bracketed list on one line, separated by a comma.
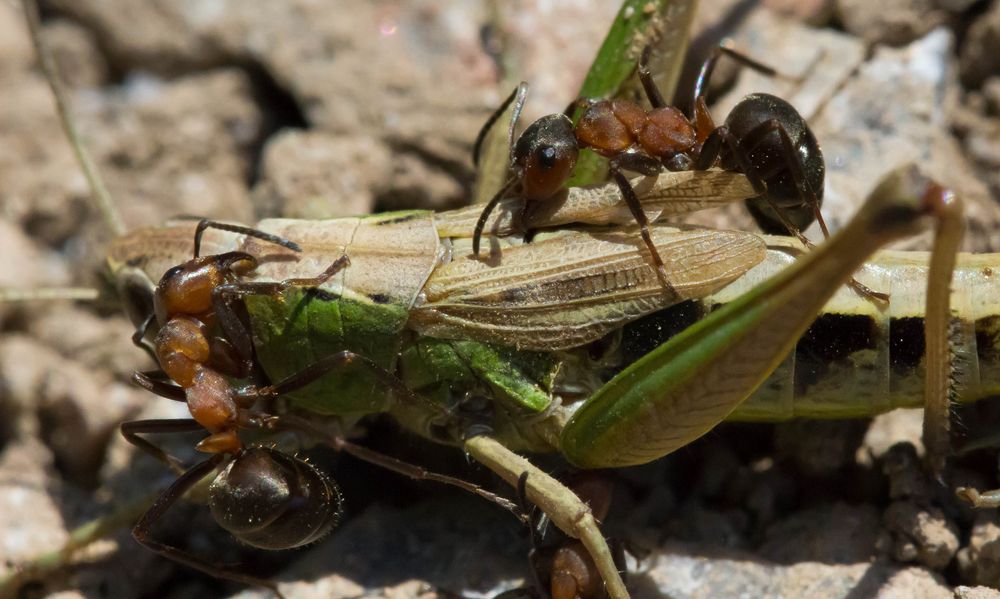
[(104, 202)]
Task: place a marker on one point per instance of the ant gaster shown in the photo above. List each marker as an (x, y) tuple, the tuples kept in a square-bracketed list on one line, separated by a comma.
[(763, 137)]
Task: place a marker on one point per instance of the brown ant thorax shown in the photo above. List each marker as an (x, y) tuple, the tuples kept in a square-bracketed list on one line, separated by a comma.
[(611, 127)]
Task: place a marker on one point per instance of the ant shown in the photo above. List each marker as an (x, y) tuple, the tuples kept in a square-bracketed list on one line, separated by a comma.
[(763, 137), (264, 497), (560, 566)]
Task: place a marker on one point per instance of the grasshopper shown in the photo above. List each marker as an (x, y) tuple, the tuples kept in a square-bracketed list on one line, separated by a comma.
[(455, 329)]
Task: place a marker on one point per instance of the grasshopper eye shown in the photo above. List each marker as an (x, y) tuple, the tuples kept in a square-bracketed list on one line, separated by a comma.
[(136, 292), (272, 500)]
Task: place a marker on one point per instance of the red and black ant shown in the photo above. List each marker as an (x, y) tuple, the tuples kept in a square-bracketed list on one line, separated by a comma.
[(265, 498), (763, 137), (560, 566)]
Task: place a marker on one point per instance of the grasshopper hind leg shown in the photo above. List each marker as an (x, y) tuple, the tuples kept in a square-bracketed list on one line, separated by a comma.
[(560, 504)]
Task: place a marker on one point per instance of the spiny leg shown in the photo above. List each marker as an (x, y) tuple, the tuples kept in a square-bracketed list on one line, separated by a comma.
[(142, 532), (565, 509)]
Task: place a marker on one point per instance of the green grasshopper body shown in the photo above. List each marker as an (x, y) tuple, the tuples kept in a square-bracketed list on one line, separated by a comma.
[(416, 305), (520, 333), (455, 329)]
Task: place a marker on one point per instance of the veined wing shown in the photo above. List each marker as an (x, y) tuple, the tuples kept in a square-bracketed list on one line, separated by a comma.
[(575, 287)]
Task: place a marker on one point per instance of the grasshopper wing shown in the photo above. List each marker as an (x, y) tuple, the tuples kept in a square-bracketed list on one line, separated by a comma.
[(575, 287)]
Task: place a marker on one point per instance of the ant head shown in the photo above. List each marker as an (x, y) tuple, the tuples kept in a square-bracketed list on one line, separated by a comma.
[(271, 500), (545, 154), (187, 288)]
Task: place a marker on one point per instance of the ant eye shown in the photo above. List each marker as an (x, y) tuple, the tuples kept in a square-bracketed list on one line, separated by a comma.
[(547, 157)]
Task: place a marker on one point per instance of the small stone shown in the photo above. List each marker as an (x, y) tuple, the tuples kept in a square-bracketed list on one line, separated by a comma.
[(964, 592), (886, 430), (74, 409), (979, 57), (319, 175), (896, 22), (29, 515), (983, 558), (832, 534), (922, 534)]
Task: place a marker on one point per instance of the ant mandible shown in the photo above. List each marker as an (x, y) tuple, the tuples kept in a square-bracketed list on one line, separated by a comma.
[(763, 137)]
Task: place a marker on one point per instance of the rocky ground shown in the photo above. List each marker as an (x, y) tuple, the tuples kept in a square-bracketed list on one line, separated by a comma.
[(242, 110)]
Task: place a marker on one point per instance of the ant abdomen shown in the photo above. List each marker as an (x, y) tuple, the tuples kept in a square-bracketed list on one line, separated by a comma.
[(756, 121), (271, 500)]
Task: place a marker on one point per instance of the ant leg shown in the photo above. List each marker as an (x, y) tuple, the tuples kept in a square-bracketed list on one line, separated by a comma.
[(159, 387), (205, 223), (139, 337), (646, 78), (536, 559), (143, 528), (518, 97), (484, 216), (237, 332), (635, 207), (757, 135), (722, 136), (723, 49), (131, 430), (334, 362), (390, 463)]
